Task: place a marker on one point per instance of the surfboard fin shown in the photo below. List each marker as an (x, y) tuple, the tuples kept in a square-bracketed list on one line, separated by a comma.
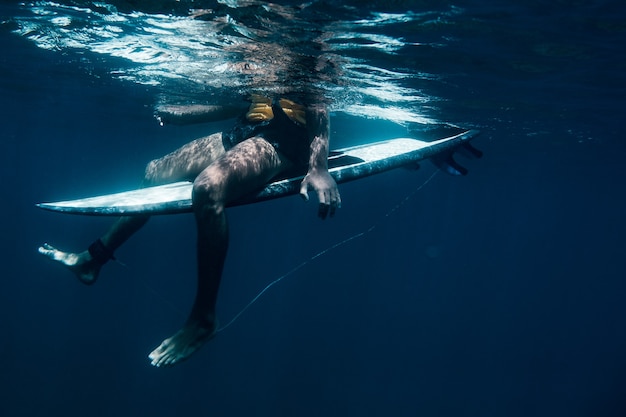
[(447, 164), (469, 150)]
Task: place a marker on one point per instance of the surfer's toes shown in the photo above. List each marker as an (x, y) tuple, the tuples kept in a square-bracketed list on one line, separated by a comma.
[(53, 253), (45, 249), (69, 259), (80, 264), (183, 344)]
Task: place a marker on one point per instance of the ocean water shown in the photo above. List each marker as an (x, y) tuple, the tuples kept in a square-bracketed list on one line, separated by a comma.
[(500, 293)]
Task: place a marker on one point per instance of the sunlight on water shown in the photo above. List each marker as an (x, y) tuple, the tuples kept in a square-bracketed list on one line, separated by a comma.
[(247, 46)]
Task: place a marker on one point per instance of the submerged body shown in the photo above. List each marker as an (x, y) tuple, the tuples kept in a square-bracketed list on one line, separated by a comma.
[(223, 168)]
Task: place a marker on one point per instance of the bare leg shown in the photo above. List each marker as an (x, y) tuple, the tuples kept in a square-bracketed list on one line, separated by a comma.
[(245, 168), (183, 164)]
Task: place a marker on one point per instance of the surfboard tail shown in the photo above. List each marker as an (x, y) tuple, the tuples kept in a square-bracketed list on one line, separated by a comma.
[(445, 161)]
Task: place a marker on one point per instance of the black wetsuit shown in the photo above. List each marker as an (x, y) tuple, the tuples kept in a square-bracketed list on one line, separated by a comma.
[(288, 137)]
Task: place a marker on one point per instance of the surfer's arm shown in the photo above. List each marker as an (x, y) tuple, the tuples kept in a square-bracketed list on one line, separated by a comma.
[(318, 177), (195, 113)]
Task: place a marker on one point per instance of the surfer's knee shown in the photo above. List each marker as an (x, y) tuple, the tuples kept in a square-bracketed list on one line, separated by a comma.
[(151, 174), (208, 194)]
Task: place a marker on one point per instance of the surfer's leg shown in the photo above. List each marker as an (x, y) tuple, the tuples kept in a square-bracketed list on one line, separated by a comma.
[(247, 167), (184, 163)]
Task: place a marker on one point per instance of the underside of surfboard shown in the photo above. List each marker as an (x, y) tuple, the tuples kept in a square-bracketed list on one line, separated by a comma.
[(344, 165)]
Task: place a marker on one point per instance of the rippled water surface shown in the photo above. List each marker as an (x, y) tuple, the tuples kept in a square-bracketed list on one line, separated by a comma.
[(340, 53)]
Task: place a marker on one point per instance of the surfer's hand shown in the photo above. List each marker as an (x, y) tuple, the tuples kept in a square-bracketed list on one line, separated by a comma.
[(326, 189)]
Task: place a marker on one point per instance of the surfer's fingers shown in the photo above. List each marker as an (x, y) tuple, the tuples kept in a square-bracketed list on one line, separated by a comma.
[(335, 202), (323, 211), (336, 197), (324, 207)]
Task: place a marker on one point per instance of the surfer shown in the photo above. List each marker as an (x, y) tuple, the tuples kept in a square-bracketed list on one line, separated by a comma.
[(272, 137)]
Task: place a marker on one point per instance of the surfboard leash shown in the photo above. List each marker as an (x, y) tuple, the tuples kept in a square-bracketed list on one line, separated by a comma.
[(330, 248)]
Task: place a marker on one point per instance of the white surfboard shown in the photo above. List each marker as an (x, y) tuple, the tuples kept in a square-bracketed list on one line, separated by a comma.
[(344, 165)]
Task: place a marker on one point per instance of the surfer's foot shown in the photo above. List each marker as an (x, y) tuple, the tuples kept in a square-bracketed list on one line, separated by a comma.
[(185, 342), (81, 264)]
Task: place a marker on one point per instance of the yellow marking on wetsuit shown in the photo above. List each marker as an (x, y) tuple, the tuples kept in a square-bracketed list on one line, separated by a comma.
[(260, 109), (296, 112)]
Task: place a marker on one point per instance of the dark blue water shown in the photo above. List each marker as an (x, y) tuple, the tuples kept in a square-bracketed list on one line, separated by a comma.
[(496, 294)]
